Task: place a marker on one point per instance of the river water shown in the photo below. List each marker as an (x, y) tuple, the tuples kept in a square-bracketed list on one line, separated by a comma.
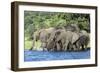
[(47, 56)]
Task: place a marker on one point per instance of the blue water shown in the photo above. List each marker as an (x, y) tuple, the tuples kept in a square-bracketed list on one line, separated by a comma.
[(47, 56)]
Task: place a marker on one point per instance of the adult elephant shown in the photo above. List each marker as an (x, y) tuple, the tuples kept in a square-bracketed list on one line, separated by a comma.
[(42, 35), (62, 40), (35, 37), (69, 38), (79, 40), (52, 44)]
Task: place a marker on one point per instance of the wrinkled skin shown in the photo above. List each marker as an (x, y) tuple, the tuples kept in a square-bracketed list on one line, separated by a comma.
[(63, 37), (52, 44), (78, 38), (35, 38), (82, 42), (61, 40), (43, 36), (67, 38), (72, 27)]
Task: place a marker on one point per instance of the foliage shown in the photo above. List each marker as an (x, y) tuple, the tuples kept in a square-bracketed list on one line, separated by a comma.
[(28, 44), (35, 20)]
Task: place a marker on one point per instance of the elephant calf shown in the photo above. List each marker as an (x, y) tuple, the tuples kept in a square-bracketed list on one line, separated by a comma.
[(82, 42)]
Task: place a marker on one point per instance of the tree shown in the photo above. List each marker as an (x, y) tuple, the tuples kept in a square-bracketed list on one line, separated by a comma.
[(35, 20)]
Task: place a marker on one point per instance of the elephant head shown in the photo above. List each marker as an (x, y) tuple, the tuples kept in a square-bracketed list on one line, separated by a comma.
[(62, 40), (82, 42), (43, 35)]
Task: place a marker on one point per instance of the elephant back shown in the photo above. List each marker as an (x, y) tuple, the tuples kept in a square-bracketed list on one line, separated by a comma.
[(72, 27), (83, 32)]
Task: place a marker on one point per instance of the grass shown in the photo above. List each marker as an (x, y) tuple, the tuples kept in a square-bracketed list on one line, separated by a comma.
[(28, 43)]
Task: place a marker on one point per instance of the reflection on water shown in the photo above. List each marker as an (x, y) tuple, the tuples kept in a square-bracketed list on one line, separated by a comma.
[(47, 56)]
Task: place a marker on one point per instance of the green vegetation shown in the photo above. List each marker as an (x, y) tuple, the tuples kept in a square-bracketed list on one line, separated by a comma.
[(35, 20), (28, 43)]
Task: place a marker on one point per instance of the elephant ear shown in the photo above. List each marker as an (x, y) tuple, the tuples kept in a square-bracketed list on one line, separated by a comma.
[(75, 37)]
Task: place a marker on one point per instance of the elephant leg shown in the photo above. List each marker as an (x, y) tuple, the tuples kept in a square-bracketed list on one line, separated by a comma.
[(70, 46), (83, 47), (43, 46), (77, 46), (74, 47), (50, 46), (86, 48), (55, 46), (65, 47), (58, 47)]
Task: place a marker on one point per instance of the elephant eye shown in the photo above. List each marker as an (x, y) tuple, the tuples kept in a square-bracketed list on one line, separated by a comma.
[(53, 39), (58, 33), (59, 41)]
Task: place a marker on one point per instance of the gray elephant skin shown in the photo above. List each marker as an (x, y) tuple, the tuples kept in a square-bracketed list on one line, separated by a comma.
[(67, 38)]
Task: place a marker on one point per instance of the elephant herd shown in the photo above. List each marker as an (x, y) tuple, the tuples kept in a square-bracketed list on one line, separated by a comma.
[(67, 38)]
